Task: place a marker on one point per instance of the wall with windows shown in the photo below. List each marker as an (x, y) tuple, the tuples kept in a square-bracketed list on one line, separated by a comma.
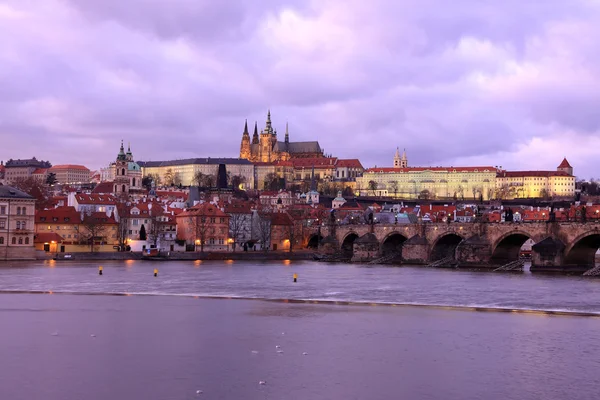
[(17, 229)]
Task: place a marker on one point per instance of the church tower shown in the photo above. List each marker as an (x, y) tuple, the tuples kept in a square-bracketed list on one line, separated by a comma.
[(404, 160), (266, 142), (121, 182), (564, 166), (397, 158), (245, 146)]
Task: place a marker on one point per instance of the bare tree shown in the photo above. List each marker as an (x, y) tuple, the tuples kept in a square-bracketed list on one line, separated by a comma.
[(200, 225), (264, 231), (238, 227), (236, 180), (155, 217), (169, 176), (425, 194), (93, 228), (394, 187), (373, 187), (176, 179)]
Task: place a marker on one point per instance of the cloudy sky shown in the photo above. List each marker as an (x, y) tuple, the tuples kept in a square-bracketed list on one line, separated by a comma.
[(513, 83)]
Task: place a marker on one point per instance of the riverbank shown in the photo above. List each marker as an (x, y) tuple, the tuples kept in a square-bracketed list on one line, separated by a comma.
[(187, 256)]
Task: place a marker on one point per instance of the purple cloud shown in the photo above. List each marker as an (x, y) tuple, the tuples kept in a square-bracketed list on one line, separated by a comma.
[(507, 83)]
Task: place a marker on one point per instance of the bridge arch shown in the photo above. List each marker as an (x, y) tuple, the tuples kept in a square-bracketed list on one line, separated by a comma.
[(348, 243), (392, 243), (314, 240), (445, 246), (582, 250), (508, 247)]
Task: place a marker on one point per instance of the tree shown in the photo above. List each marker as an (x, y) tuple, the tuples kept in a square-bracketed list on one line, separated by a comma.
[(348, 192), (35, 188), (92, 229), (147, 182), (425, 194), (155, 179), (155, 217), (169, 175), (372, 187), (238, 227), (272, 182), (199, 224), (264, 231), (544, 194), (236, 181), (51, 178), (461, 192), (394, 187), (143, 233), (122, 228)]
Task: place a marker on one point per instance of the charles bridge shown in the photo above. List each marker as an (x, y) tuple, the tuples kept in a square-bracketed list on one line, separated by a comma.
[(559, 246)]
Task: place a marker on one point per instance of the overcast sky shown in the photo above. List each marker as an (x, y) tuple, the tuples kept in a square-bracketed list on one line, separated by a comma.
[(513, 83)]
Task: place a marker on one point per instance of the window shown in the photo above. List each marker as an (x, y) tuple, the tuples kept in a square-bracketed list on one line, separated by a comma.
[(2, 209), (222, 220), (23, 211), (26, 240), (14, 240), (1, 240), (213, 220), (20, 240), (2, 224), (18, 224), (58, 227), (18, 210)]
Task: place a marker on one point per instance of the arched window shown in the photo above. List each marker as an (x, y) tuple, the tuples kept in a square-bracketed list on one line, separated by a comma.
[(1, 240), (115, 188), (123, 189), (14, 240), (123, 171), (133, 182), (18, 210), (18, 224), (23, 211), (26, 240), (20, 240)]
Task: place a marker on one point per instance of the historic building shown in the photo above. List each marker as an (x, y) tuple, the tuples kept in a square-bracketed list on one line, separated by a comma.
[(17, 210), (70, 174), (20, 169), (185, 171), (400, 162), (127, 173), (538, 184), (204, 227), (266, 148)]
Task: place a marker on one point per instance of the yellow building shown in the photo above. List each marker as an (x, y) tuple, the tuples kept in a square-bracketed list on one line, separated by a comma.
[(184, 171), (65, 230), (17, 210), (428, 182), (536, 184)]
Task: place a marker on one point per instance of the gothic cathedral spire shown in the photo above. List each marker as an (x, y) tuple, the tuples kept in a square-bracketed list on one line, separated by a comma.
[(287, 133), (255, 136)]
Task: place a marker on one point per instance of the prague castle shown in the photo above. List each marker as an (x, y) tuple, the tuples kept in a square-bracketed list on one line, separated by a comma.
[(266, 148)]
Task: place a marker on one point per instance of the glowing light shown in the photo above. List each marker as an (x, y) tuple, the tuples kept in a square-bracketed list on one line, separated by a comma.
[(287, 262), (197, 263)]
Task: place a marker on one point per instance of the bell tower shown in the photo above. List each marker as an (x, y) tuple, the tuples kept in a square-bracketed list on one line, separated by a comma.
[(245, 146)]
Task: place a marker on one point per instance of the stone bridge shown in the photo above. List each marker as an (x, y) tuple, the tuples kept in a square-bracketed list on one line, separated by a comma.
[(559, 246)]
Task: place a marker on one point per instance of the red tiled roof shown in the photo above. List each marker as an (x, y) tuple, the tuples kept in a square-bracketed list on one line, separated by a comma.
[(317, 162), (521, 174), (47, 237), (564, 164), (434, 169), (281, 219), (69, 166), (64, 215), (100, 217), (240, 207), (39, 171), (204, 209), (103, 187), (83, 198), (349, 163)]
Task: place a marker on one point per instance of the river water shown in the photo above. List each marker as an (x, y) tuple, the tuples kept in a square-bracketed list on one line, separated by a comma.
[(82, 343)]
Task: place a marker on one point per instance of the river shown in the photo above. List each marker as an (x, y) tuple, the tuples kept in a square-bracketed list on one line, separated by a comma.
[(166, 337)]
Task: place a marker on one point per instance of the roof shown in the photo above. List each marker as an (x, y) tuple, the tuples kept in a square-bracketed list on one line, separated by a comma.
[(188, 161), (298, 147), (564, 164), (40, 171), (47, 237), (349, 163), (203, 209), (317, 162), (99, 218), (70, 166), (522, 174), (238, 207), (103, 187), (83, 198), (30, 162), (433, 169), (281, 219), (13, 193), (64, 214)]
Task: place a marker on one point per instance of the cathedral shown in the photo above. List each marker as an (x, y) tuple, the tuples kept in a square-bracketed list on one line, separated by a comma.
[(126, 172), (266, 148)]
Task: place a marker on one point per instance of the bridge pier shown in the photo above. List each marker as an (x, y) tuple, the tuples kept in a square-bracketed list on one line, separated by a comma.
[(366, 248), (415, 250), (474, 252), (548, 256)]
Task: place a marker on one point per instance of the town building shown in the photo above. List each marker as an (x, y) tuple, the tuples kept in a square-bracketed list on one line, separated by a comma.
[(17, 211), (184, 172), (40, 174), (537, 184), (22, 169), (269, 175), (87, 203), (67, 230), (70, 174), (127, 173), (204, 227), (348, 170), (267, 148), (240, 224)]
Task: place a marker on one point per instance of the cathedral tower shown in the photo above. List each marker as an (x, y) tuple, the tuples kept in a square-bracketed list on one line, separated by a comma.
[(397, 158), (245, 146)]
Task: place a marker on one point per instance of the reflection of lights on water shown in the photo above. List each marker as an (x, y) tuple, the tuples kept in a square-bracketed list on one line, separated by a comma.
[(129, 263), (197, 263), (287, 262), (128, 294), (52, 263), (51, 292), (229, 262)]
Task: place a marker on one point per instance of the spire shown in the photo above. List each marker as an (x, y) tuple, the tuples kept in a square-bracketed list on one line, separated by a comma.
[(397, 155), (255, 136), (269, 128), (287, 133), (246, 129), (128, 148), (313, 183), (404, 155), (121, 155)]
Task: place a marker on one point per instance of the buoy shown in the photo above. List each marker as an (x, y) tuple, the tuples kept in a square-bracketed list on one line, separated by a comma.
[(295, 277), (155, 271), (100, 270), (262, 382)]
